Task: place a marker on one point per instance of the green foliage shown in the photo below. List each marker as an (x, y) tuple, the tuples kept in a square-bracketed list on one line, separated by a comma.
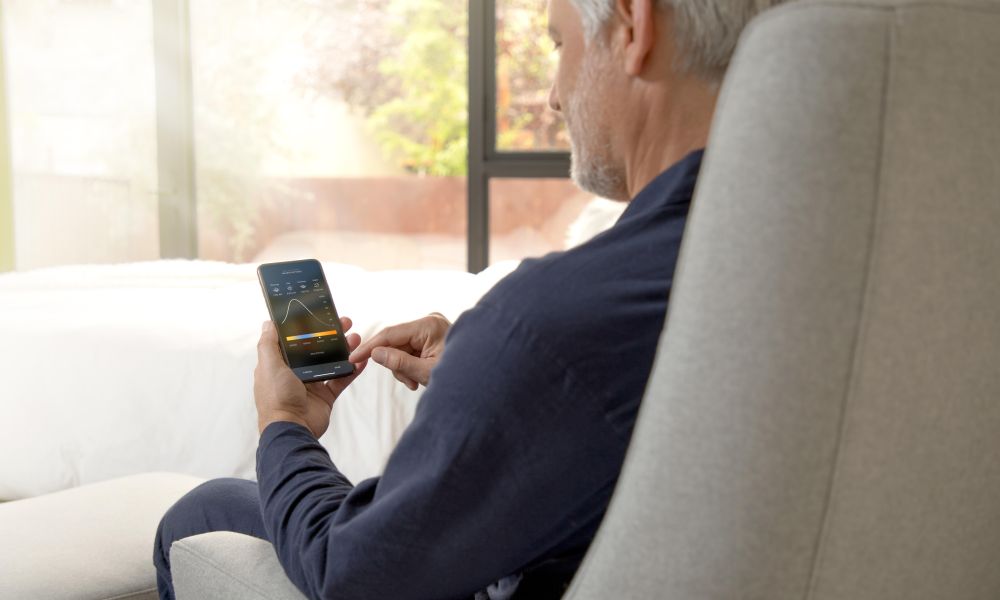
[(424, 126), (526, 63), (407, 74)]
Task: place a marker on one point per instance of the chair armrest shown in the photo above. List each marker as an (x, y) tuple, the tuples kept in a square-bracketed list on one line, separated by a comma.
[(223, 564)]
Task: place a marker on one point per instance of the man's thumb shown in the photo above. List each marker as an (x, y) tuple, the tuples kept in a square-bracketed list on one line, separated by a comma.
[(267, 346)]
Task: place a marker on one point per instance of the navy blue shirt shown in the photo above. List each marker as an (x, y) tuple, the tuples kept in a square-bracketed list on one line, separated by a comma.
[(516, 445)]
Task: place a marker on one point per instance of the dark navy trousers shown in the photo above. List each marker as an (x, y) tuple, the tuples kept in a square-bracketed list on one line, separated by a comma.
[(217, 505)]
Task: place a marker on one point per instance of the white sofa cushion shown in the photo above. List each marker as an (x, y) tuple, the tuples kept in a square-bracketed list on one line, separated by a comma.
[(90, 542)]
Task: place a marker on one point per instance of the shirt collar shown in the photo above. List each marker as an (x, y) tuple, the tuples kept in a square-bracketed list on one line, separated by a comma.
[(675, 185)]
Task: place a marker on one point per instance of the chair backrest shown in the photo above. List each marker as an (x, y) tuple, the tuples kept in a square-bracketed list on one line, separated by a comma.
[(823, 419)]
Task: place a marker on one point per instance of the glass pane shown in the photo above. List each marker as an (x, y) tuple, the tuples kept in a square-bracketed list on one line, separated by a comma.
[(335, 130), (82, 107), (532, 217), (526, 63)]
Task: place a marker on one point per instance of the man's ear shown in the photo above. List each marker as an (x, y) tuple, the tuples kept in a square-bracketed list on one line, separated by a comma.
[(637, 19)]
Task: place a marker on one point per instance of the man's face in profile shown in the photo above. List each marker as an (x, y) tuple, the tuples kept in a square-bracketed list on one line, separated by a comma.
[(582, 91)]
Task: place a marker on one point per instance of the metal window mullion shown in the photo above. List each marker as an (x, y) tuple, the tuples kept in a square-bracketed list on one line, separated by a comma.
[(175, 129), (550, 168), (481, 12)]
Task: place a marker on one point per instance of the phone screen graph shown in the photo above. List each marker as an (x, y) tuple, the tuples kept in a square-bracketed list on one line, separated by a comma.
[(301, 307)]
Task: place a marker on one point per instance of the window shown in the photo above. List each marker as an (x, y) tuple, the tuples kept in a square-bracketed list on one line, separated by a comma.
[(525, 65), (82, 131), (342, 130), (532, 217), (331, 129)]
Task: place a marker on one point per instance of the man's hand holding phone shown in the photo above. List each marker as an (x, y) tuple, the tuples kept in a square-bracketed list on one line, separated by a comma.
[(281, 396), (409, 350)]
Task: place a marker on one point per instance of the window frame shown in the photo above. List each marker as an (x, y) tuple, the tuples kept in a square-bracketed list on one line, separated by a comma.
[(175, 150)]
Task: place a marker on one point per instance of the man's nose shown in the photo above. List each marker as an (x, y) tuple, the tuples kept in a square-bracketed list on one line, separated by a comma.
[(554, 99)]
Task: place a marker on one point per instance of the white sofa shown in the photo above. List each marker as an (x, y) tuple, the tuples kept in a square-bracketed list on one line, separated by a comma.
[(113, 370), (91, 542)]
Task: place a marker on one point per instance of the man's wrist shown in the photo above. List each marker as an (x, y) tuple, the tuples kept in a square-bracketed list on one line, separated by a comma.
[(275, 416)]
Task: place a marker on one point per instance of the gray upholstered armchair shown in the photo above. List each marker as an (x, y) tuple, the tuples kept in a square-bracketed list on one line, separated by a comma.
[(823, 420)]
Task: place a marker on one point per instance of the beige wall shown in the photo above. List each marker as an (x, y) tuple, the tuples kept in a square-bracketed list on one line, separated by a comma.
[(6, 201)]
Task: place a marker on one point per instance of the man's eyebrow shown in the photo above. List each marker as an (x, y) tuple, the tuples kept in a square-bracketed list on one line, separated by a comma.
[(552, 32)]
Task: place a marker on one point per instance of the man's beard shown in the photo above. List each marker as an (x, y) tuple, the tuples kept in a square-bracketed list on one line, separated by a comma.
[(594, 168)]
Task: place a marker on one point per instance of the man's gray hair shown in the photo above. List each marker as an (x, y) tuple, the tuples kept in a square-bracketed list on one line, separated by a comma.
[(706, 30)]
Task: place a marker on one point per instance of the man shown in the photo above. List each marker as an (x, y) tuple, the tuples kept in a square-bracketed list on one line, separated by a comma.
[(498, 486)]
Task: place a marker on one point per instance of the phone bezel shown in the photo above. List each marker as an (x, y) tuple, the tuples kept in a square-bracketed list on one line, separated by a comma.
[(311, 373)]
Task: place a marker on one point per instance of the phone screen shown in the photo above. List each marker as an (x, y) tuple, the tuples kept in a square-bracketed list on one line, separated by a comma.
[(309, 330)]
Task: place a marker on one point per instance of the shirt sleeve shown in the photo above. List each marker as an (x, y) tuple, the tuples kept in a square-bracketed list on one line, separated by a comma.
[(509, 459)]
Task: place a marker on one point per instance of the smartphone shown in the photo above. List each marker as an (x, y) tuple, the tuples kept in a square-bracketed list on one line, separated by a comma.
[(309, 330)]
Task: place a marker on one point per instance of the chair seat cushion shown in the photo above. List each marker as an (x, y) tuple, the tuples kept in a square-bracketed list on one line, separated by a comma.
[(90, 542)]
